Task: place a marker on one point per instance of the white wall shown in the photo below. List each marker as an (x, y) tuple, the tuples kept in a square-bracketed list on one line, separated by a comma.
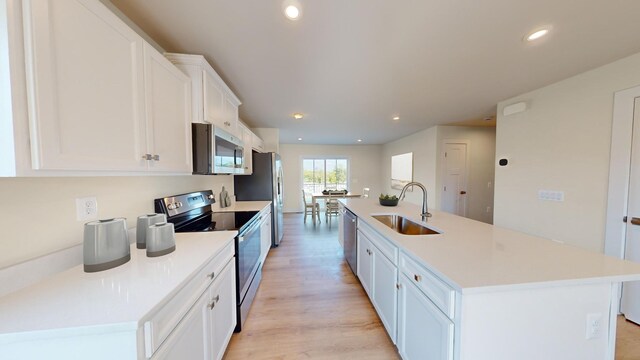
[(561, 142), (426, 146), (364, 168), (481, 157), (41, 218)]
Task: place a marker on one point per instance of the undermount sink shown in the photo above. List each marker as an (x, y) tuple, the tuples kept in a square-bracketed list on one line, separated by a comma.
[(403, 225)]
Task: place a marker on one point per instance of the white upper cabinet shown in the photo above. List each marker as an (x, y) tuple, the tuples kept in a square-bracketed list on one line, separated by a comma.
[(168, 109), (257, 143), (213, 101), (247, 137), (85, 87), (89, 95)]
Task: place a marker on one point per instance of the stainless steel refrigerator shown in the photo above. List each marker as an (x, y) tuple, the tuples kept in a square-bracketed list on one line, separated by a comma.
[(265, 184)]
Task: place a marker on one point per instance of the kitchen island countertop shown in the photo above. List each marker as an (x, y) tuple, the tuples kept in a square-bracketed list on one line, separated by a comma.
[(472, 256)]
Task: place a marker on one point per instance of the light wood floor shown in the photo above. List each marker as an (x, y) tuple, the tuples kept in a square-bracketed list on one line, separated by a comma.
[(628, 340), (311, 306)]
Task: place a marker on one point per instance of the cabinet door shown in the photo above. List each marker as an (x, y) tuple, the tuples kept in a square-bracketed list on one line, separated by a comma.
[(385, 299), (247, 136), (190, 338), (168, 110), (230, 116), (341, 225), (223, 319), (364, 263), (213, 100), (85, 87), (424, 332), (265, 236)]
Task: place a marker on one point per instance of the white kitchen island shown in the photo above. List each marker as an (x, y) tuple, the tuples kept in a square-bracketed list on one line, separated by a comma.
[(480, 292)]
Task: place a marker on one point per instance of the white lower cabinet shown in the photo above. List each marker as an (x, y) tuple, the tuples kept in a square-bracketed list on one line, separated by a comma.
[(378, 276), (222, 312), (416, 307), (189, 338), (206, 329), (365, 263), (265, 235), (424, 332)]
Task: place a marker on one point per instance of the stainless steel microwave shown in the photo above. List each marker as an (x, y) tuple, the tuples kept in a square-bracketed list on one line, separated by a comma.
[(215, 151)]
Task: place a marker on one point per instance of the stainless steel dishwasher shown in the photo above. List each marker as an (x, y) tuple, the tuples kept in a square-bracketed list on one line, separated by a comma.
[(350, 243)]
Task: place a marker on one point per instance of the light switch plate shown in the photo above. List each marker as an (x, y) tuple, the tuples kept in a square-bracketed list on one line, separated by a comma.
[(551, 195)]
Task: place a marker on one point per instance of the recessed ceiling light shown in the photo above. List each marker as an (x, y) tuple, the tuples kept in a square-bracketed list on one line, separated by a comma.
[(292, 12), (396, 118), (359, 140), (298, 116), (292, 9), (299, 139), (537, 34)]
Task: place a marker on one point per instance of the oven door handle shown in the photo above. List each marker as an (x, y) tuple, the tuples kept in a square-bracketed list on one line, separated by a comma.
[(251, 229)]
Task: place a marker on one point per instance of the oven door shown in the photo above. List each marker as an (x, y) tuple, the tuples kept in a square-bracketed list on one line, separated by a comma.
[(248, 255)]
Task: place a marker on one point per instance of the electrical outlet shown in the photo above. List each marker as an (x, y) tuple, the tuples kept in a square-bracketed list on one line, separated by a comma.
[(86, 208), (594, 326)]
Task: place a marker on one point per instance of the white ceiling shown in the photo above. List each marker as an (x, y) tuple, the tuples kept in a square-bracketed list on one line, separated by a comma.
[(350, 65)]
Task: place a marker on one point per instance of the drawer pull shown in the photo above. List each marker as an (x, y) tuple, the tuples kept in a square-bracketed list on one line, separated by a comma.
[(212, 275), (417, 277), (398, 286), (213, 302)]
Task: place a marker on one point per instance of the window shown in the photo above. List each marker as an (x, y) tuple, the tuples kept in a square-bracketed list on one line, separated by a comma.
[(321, 174)]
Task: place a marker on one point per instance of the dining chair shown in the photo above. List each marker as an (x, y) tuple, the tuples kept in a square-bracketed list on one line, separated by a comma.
[(331, 208), (365, 192), (309, 207)]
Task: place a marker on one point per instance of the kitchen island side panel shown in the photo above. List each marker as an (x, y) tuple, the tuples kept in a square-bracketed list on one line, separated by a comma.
[(538, 323)]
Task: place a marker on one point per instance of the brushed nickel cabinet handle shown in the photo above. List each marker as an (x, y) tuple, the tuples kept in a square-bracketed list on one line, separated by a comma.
[(212, 305), (156, 157), (398, 286), (147, 157), (212, 275), (417, 277)]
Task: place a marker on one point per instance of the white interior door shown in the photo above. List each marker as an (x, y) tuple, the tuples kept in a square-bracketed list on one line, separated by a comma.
[(631, 290), (455, 178)]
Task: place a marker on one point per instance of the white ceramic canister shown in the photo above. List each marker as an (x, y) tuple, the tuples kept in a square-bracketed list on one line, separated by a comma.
[(106, 244), (144, 221)]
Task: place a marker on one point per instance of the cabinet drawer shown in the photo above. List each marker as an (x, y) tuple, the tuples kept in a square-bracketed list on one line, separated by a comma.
[(385, 246), (168, 316), (438, 292)]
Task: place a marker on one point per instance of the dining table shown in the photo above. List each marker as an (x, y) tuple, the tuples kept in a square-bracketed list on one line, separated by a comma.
[(316, 196)]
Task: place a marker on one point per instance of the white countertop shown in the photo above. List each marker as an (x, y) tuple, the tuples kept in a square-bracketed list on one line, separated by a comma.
[(243, 206), (473, 256), (120, 297)]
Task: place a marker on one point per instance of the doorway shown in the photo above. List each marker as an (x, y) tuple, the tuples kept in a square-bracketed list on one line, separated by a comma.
[(454, 177), (622, 237)]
